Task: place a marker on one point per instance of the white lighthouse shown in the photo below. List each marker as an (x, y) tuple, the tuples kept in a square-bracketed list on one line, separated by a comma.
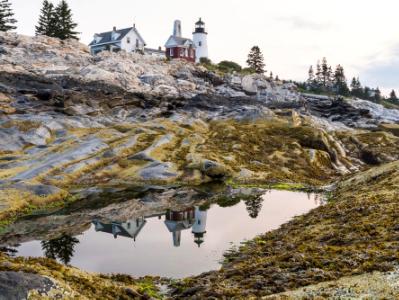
[(200, 39)]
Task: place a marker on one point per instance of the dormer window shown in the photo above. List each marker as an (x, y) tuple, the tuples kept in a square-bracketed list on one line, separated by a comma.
[(115, 35), (97, 39)]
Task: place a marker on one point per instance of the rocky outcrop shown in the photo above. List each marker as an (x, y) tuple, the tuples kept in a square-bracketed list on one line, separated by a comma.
[(18, 285), (71, 122), (73, 119), (63, 76)]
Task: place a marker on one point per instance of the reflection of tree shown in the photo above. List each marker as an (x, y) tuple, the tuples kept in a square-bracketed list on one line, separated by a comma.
[(61, 248), (206, 206), (254, 205), (227, 201), (11, 251)]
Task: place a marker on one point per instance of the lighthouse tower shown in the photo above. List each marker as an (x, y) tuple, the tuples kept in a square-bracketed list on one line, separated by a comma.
[(200, 39), (199, 227)]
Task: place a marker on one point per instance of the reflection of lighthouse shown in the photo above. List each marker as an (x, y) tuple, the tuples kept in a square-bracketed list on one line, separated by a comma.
[(199, 227), (177, 221)]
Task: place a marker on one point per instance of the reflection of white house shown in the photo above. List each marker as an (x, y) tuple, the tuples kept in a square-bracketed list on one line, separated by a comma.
[(199, 227), (177, 221), (129, 229), (128, 39)]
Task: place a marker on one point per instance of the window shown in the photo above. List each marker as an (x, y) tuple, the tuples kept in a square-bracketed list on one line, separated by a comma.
[(128, 40), (200, 44), (171, 52), (137, 43)]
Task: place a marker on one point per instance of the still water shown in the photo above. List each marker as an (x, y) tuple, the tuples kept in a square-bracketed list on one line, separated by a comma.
[(175, 243)]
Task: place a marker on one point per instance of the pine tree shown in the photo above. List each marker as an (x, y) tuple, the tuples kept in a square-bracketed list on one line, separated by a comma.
[(255, 60), (311, 77), (64, 25), (339, 82), (393, 97), (271, 75), (377, 95), (7, 20), (325, 74), (319, 77), (356, 88), (47, 21), (254, 206), (61, 248), (366, 93)]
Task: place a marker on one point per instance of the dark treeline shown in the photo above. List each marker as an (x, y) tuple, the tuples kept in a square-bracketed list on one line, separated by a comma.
[(56, 21), (7, 21), (324, 80)]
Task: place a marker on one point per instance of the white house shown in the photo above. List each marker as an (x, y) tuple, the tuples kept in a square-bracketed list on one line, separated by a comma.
[(129, 229), (128, 39)]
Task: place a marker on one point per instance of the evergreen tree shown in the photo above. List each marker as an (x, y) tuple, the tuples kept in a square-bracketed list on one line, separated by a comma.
[(277, 79), (377, 95), (319, 76), (271, 75), (255, 60), (254, 206), (61, 248), (311, 77), (366, 93), (64, 25), (47, 21), (356, 88), (339, 82), (393, 97), (7, 20), (325, 74)]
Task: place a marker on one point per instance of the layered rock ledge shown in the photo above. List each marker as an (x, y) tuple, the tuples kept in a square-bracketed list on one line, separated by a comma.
[(70, 122)]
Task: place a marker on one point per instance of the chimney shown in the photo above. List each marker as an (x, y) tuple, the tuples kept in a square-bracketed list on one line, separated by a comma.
[(134, 25), (177, 29), (114, 29)]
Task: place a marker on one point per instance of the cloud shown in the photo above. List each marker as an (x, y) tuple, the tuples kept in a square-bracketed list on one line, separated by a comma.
[(303, 23)]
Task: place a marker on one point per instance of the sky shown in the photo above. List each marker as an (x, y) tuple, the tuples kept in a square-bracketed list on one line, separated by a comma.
[(361, 35)]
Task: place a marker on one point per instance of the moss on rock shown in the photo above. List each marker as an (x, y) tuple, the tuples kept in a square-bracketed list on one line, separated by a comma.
[(356, 232)]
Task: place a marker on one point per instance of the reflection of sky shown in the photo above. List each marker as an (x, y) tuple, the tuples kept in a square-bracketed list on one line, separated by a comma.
[(153, 252)]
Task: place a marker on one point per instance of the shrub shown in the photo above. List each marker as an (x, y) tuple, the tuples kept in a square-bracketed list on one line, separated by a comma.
[(229, 66), (205, 61), (247, 71)]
